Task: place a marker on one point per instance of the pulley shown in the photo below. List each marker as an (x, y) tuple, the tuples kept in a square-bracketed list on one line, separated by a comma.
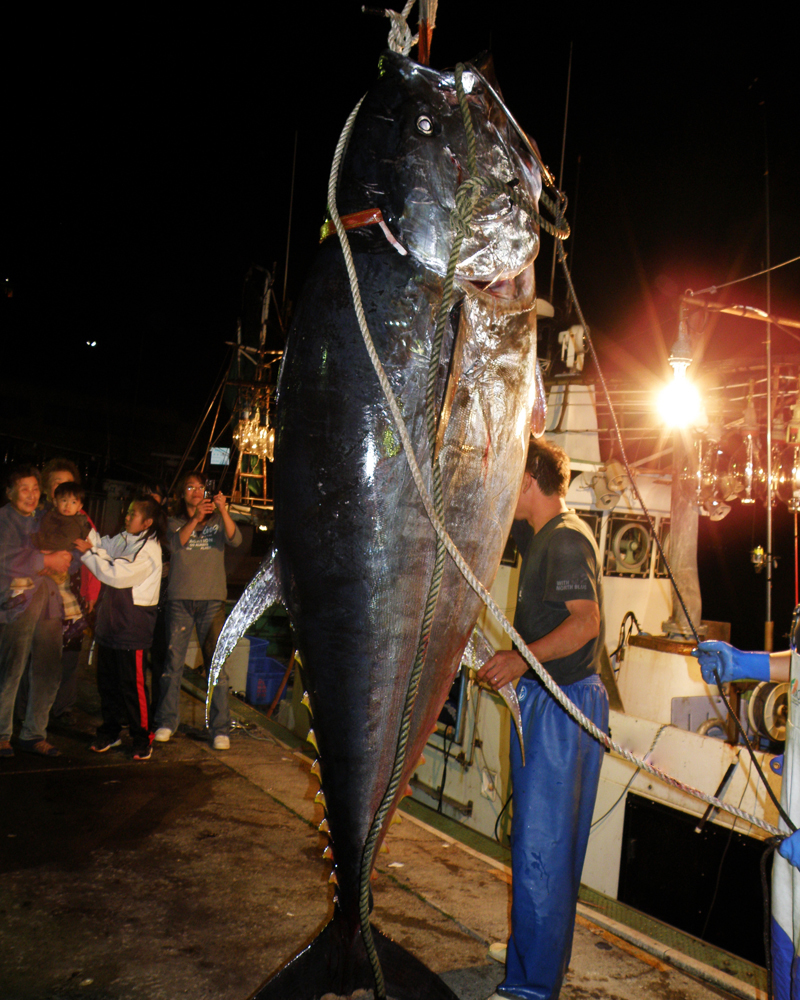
[(768, 710)]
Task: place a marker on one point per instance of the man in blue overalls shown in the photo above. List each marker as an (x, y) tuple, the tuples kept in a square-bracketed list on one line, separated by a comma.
[(560, 617)]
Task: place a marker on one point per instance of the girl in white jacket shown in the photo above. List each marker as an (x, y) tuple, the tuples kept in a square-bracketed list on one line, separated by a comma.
[(129, 567)]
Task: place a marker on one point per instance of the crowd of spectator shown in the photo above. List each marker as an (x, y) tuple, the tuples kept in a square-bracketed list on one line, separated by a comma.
[(134, 597)]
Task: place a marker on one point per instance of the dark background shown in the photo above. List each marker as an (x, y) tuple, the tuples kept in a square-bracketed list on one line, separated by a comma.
[(149, 166)]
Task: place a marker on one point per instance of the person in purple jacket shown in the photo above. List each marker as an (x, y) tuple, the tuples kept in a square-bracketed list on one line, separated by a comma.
[(30, 615)]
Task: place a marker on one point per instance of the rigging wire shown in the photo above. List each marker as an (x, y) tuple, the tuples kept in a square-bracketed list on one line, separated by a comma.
[(767, 270)]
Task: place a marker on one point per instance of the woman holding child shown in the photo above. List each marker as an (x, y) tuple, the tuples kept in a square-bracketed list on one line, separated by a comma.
[(30, 615), (78, 594)]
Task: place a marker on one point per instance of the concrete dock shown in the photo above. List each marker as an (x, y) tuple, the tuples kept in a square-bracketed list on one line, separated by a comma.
[(198, 873)]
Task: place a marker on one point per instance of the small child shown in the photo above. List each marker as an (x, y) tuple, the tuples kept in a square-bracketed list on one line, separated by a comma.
[(66, 522), (59, 529), (129, 567)]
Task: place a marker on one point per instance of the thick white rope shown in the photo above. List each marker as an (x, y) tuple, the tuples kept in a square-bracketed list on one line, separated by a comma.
[(400, 37), (441, 531)]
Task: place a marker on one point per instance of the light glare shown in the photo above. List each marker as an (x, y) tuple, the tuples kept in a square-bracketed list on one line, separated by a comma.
[(679, 402)]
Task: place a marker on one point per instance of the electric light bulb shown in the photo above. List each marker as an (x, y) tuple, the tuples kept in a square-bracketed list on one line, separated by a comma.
[(679, 401)]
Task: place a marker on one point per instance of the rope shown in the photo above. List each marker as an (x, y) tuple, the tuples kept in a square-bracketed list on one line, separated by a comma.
[(400, 36), (428, 503)]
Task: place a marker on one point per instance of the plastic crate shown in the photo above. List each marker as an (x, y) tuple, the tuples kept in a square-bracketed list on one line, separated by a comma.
[(258, 650), (238, 664), (264, 676)]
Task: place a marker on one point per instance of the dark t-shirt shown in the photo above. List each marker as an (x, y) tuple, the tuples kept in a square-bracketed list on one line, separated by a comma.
[(560, 563)]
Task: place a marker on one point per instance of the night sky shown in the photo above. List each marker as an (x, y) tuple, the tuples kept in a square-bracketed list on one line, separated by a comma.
[(151, 163)]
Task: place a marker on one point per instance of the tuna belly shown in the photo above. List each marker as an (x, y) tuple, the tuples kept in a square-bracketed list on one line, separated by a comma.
[(484, 447)]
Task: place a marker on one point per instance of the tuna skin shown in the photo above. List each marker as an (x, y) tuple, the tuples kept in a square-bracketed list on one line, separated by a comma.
[(355, 548)]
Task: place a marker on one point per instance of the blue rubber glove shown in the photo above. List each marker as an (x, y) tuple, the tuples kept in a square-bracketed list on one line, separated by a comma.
[(790, 849), (732, 664)]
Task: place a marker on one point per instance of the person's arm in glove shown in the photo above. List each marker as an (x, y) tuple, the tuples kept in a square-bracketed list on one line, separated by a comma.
[(734, 664), (790, 849)]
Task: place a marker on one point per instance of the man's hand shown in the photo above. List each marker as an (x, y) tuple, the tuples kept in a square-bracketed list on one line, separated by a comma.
[(58, 562), (731, 663), (83, 545), (504, 667)]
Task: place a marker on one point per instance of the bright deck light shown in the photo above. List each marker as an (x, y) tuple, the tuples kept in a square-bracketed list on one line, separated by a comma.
[(679, 401)]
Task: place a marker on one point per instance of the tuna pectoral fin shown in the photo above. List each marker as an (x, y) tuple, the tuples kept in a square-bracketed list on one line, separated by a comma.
[(479, 651), (329, 965), (262, 592), (509, 695)]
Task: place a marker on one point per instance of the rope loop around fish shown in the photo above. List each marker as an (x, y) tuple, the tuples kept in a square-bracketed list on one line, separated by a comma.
[(452, 550)]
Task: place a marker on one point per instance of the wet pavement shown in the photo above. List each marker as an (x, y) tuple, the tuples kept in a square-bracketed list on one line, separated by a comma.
[(198, 873)]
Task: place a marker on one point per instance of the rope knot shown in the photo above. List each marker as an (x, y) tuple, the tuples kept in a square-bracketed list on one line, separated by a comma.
[(466, 198), (400, 37)]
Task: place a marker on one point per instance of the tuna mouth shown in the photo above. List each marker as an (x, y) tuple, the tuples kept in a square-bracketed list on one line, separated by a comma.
[(507, 286)]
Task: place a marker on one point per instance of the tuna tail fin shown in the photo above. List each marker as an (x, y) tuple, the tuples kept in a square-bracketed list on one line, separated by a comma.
[(263, 591), (328, 965)]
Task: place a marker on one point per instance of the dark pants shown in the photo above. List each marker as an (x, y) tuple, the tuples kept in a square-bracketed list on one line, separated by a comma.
[(30, 635), (554, 796), (123, 694)]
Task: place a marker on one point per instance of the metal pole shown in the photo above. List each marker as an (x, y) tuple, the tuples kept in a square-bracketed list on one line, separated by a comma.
[(561, 172), (768, 626)]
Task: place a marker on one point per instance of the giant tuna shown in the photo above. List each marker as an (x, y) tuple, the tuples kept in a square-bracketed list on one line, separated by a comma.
[(354, 548)]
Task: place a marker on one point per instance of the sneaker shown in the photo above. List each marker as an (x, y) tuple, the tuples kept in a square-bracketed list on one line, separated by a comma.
[(103, 743), (40, 747), (163, 735), (144, 753), (497, 951), (221, 742), (6, 750)]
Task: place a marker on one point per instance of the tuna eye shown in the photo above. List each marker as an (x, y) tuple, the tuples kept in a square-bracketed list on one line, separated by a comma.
[(424, 125)]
